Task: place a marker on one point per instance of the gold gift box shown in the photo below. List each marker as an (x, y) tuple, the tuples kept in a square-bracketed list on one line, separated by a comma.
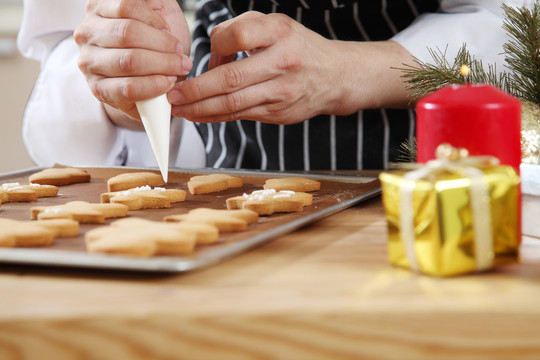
[(441, 233)]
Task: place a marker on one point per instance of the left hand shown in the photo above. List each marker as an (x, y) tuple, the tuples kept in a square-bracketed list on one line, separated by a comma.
[(292, 74)]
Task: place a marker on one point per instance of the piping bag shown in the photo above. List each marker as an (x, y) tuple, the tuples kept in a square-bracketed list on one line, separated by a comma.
[(156, 117)]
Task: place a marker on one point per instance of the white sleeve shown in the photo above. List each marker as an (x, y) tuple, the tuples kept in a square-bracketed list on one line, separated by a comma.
[(63, 122), (477, 23), (46, 23)]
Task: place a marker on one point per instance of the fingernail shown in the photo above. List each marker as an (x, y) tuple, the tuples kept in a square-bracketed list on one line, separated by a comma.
[(172, 79), (175, 97), (186, 63)]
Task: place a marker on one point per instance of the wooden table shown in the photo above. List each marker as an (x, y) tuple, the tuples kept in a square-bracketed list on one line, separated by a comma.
[(323, 292)]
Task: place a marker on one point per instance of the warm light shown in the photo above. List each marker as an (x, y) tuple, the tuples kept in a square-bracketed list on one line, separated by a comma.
[(465, 71)]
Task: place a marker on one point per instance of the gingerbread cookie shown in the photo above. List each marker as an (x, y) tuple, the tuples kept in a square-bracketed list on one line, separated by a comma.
[(224, 220), (205, 184), (128, 181), (139, 237), (204, 234), (61, 227), (298, 184), (81, 211), (59, 176), (145, 197), (267, 202), (17, 192), (14, 233)]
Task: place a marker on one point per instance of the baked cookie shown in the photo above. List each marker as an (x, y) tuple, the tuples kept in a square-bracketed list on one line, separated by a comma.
[(204, 234), (81, 211), (16, 192), (267, 202), (133, 180), (145, 197), (59, 176), (299, 184), (14, 233), (140, 237), (224, 220), (205, 184)]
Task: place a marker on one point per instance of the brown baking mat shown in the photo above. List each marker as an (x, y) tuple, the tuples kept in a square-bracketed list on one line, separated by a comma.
[(337, 193)]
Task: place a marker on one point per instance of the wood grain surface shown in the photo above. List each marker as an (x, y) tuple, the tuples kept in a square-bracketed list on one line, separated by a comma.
[(325, 291)]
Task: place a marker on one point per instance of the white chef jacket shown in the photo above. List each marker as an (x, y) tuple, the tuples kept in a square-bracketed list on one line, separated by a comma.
[(64, 123)]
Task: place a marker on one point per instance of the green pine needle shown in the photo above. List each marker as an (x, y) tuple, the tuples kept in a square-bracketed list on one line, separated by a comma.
[(425, 78), (407, 151), (523, 51), (522, 59)]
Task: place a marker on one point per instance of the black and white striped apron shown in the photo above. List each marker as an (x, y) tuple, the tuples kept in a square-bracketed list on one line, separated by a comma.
[(368, 139)]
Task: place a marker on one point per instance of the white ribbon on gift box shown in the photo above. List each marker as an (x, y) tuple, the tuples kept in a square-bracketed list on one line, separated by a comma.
[(479, 199)]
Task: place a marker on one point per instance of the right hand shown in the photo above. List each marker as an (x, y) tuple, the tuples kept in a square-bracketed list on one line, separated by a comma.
[(132, 50)]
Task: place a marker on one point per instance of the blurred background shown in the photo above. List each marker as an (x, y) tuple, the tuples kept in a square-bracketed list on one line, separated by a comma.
[(17, 77)]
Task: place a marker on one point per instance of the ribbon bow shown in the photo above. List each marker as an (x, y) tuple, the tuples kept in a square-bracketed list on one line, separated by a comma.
[(457, 161)]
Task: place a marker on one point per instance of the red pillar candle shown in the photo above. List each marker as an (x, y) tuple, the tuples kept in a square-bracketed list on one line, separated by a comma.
[(480, 118)]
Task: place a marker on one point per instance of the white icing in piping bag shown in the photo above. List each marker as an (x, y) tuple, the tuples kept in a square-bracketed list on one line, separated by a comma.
[(156, 117)]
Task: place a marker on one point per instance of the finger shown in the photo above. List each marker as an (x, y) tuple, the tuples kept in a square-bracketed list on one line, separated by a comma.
[(249, 32), (225, 104), (273, 94), (128, 9), (217, 60), (131, 62), (125, 33), (243, 16), (124, 91), (266, 113), (255, 113), (224, 79)]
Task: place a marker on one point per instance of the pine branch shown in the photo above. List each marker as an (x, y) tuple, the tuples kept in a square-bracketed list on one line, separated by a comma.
[(523, 51), (522, 57), (425, 78), (407, 151)]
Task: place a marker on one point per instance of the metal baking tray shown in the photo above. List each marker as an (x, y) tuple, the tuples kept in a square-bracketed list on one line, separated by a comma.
[(337, 193)]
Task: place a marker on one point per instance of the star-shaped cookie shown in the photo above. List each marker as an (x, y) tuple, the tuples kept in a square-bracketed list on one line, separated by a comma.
[(132, 180), (14, 233), (205, 184), (59, 176), (16, 192), (224, 220), (145, 197), (81, 211), (267, 202), (292, 184), (140, 237)]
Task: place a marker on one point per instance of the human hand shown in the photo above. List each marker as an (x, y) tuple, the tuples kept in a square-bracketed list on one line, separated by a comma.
[(291, 74), (288, 76), (132, 50)]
